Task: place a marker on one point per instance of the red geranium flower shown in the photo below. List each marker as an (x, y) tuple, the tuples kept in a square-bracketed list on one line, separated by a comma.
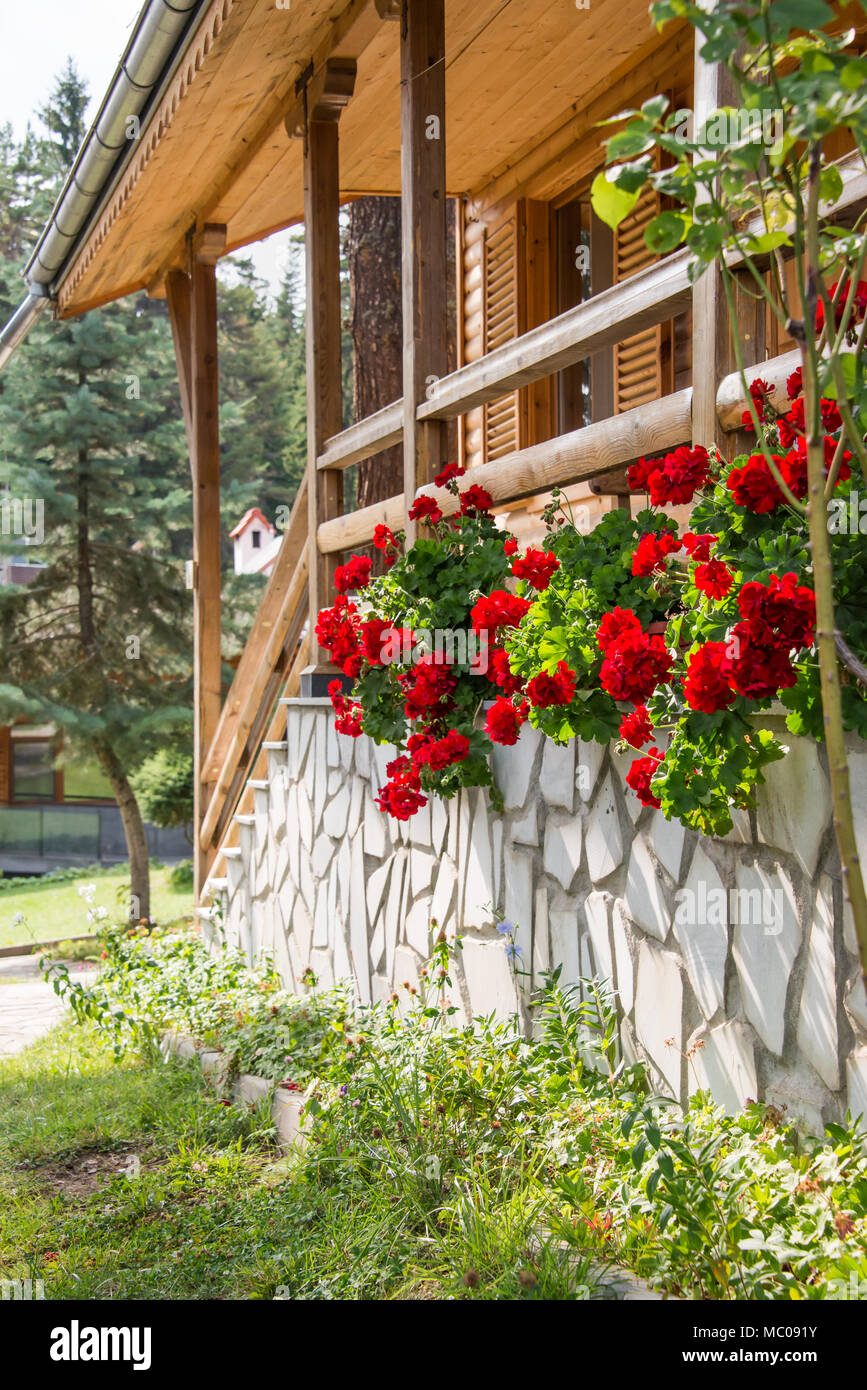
[(613, 625), (679, 476), (441, 752), (503, 722), (636, 727), (753, 665), (510, 546), (634, 665), (537, 567), (651, 552), (428, 688), (639, 775), (349, 713), (544, 690), (787, 607), (705, 687), (500, 673), (355, 574), (714, 579), (401, 800), (499, 609), (794, 385), (476, 501), (450, 471), (698, 547), (754, 486), (638, 473), (425, 507)]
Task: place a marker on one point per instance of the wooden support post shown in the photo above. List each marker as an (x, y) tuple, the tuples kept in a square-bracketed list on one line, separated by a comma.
[(204, 394), (712, 351), (423, 212), (315, 118)]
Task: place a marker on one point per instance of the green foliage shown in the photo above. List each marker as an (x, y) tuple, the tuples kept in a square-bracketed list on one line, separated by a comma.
[(164, 786), (502, 1165)]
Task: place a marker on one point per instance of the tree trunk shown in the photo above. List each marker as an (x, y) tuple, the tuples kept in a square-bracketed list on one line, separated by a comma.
[(134, 831), (133, 825), (375, 325)]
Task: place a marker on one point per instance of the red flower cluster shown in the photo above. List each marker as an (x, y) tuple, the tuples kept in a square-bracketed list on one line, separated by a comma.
[(754, 486), (859, 304), (425, 508), (500, 673), (476, 501), (706, 687), (652, 550), (355, 574), (504, 720), (760, 392), (448, 474), (536, 567), (794, 383), (438, 753), (386, 541), (510, 546), (337, 630), (544, 690), (786, 607), (401, 796), (755, 668), (639, 775), (674, 479), (776, 618), (349, 712), (698, 547), (636, 727), (428, 688), (714, 579), (499, 609), (634, 662)]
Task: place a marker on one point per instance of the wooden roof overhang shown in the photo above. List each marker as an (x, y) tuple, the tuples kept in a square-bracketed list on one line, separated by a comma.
[(215, 149)]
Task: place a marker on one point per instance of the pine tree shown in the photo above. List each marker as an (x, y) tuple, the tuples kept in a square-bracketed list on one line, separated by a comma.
[(99, 643)]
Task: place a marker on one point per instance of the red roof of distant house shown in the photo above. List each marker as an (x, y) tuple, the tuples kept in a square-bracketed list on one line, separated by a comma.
[(252, 515)]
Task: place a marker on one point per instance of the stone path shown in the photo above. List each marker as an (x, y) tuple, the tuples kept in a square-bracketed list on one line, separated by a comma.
[(28, 1006)]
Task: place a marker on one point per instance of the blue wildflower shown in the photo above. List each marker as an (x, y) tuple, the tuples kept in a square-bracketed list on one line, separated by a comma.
[(505, 928)]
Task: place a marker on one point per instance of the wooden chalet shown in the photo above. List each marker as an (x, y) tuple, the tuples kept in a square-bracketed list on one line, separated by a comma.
[(578, 350)]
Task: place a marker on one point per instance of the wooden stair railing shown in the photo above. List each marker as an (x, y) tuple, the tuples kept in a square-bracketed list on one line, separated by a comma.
[(272, 658)]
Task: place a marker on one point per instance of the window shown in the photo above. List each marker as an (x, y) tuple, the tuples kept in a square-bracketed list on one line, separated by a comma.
[(257, 540), (84, 780), (32, 769)]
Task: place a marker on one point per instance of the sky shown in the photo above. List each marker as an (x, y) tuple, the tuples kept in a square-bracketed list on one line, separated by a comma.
[(36, 38)]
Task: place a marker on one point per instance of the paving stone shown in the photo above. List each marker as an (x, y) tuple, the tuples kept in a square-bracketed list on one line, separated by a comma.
[(377, 947), (305, 818), (597, 909), (603, 838), (659, 1013), (518, 870), (375, 889), (856, 1085), (701, 929), (497, 834), (644, 896), (308, 882), (479, 876), (489, 978), (856, 1005), (765, 951), (346, 747), (332, 747), (557, 777), (420, 825), (380, 989), (565, 950), (524, 829), (323, 850), (439, 823), (337, 813), (725, 1065), (541, 943), (417, 927), (375, 833), (363, 748), (588, 767), (562, 854), (513, 767), (421, 868), (622, 763), (666, 841), (391, 915), (344, 870), (345, 966), (793, 807), (444, 893), (358, 922), (356, 805), (624, 968), (817, 1021)]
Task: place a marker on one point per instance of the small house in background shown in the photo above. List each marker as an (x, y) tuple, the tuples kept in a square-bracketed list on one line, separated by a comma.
[(256, 543)]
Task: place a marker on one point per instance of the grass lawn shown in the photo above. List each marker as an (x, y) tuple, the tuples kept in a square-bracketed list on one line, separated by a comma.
[(133, 1180), (54, 910)]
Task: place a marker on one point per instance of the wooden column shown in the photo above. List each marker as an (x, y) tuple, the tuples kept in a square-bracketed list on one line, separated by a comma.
[(315, 119), (712, 351), (192, 301), (423, 220)]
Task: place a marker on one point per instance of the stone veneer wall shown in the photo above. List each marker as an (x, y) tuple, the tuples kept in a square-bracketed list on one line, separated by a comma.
[(323, 879)]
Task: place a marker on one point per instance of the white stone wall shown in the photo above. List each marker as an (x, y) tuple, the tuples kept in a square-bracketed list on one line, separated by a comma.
[(596, 883)]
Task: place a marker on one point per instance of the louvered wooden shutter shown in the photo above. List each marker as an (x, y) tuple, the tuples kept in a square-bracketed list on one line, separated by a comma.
[(5, 765), (502, 322), (643, 364), (517, 296)]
